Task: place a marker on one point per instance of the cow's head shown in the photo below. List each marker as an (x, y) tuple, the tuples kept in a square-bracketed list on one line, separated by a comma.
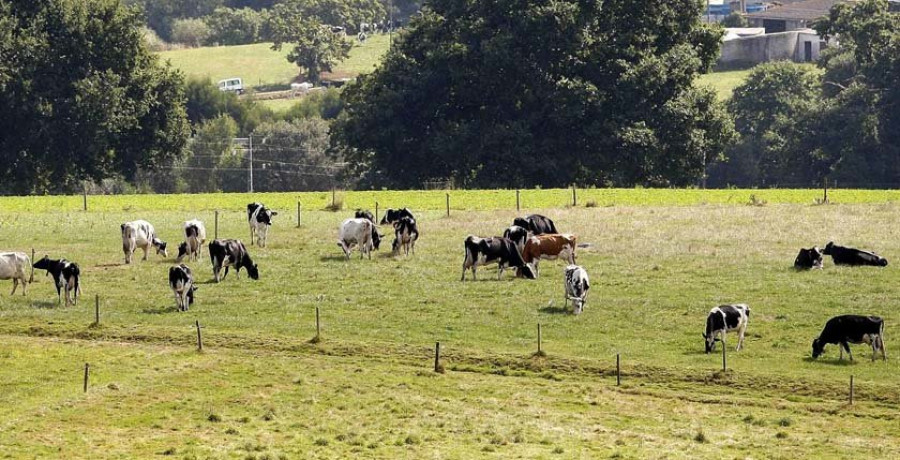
[(709, 341), (253, 271), (190, 294), (526, 271), (522, 222), (43, 264), (579, 306), (160, 246), (389, 216), (828, 248), (364, 214), (182, 251), (376, 238), (817, 348)]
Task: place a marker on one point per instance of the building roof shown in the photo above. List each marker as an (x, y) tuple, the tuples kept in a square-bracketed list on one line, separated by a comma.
[(807, 10)]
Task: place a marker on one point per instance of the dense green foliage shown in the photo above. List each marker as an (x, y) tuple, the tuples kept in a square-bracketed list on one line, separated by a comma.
[(519, 93), (315, 48), (82, 97)]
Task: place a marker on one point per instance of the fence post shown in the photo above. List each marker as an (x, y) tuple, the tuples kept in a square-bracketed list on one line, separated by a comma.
[(298, 214), (87, 368), (517, 200), (216, 234), (376, 213), (199, 337), (437, 358), (31, 279), (448, 205), (851, 390), (84, 197), (318, 325), (825, 198), (574, 197), (333, 196), (618, 371), (540, 350), (97, 309)]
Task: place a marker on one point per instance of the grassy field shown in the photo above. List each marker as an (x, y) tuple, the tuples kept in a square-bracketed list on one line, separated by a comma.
[(659, 260), (724, 82), (258, 65)]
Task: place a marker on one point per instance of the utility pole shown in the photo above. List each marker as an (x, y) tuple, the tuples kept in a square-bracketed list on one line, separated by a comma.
[(251, 164)]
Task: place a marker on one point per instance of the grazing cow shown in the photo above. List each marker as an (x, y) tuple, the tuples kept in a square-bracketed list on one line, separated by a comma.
[(140, 234), (181, 280), (496, 250), (808, 259), (364, 214), (726, 318), (194, 238), (361, 232), (393, 215), (12, 266), (850, 256), (577, 286), (406, 232), (846, 329), (231, 253), (550, 247), (536, 224), (65, 275), (518, 235), (260, 218)]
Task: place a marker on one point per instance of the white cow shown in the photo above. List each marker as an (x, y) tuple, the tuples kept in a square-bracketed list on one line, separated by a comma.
[(140, 234), (260, 218), (194, 238), (360, 232), (577, 286), (12, 266)]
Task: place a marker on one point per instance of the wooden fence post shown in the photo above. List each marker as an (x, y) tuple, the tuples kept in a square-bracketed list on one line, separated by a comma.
[(97, 309), (199, 337), (724, 352), (84, 197), (216, 234), (299, 221), (87, 369), (437, 358), (376, 213), (31, 278), (448, 205), (517, 200), (540, 350), (851, 390), (618, 371), (574, 197), (333, 196), (825, 185), (318, 325)]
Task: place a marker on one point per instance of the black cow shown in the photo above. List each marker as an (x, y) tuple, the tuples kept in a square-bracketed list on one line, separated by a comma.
[(364, 214), (808, 259), (846, 329), (181, 280), (726, 318), (393, 215), (406, 233), (496, 250), (227, 253), (260, 218), (850, 256), (518, 235), (65, 275), (536, 224)]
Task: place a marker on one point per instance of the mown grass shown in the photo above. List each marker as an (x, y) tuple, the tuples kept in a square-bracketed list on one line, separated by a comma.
[(258, 65), (656, 271)]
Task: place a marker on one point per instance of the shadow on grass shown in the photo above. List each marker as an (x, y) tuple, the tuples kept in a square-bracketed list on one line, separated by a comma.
[(830, 362), (555, 310), (333, 258), (46, 304), (160, 310)]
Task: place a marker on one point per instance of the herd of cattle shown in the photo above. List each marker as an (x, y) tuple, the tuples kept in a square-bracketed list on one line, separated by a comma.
[(523, 245)]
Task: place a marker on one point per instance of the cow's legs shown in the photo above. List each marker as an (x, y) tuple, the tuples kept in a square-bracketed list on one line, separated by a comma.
[(15, 285), (24, 286), (740, 343), (846, 346)]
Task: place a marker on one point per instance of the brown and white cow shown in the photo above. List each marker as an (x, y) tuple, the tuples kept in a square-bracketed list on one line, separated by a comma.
[(549, 247)]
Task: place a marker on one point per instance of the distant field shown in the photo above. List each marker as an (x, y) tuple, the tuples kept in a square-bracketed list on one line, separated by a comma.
[(658, 261), (259, 65), (724, 82)]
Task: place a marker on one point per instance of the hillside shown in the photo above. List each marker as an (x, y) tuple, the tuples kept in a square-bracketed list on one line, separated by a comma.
[(258, 65)]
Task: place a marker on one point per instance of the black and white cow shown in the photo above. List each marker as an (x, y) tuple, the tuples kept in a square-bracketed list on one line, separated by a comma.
[(726, 318), (181, 280), (231, 253), (495, 250), (536, 224), (260, 218), (140, 234), (850, 256), (577, 286), (394, 215), (364, 214), (808, 259), (846, 329), (194, 238), (406, 233), (12, 266), (518, 235), (358, 232), (65, 276)]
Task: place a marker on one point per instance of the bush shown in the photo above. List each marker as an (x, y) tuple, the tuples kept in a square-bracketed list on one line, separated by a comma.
[(734, 19), (190, 32), (229, 26), (154, 43)]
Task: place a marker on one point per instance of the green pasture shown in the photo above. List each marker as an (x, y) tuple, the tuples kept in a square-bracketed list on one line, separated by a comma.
[(258, 65), (658, 261)]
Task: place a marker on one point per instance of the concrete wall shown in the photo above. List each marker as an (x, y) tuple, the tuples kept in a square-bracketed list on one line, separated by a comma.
[(770, 47)]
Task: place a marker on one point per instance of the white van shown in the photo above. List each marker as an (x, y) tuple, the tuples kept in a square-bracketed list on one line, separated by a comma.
[(232, 84)]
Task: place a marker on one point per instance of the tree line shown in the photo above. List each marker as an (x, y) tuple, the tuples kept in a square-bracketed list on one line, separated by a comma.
[(499, 93)]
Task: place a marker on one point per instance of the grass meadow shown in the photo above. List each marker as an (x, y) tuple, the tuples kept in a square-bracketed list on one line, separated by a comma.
[(658, 261)]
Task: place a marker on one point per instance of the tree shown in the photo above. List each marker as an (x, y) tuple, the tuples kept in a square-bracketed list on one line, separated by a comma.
[(229, 26), (205, 102), (734, 19), (160, 14), (517, 93), (190, 32), (292, 156), (209, 148), (83, 98), (315, 47)]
